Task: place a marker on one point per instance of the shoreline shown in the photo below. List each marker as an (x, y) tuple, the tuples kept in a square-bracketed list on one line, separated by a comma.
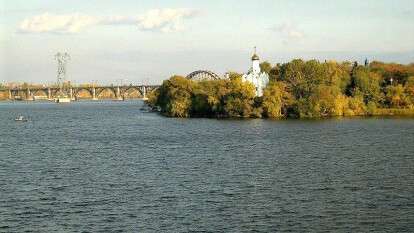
[(380, 113)]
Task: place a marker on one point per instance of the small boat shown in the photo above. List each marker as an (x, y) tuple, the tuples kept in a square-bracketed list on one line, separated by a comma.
[(21, 119)]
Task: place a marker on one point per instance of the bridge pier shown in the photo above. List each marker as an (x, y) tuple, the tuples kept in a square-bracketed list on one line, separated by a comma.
[(94, 94), (49, 94), (144, 93), (118, 94), (72, 98), (29, 96)]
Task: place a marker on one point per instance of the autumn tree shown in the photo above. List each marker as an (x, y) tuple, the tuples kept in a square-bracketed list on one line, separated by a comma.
[(274, 73), (265, 67), (367, 84), (175, 96), (238, 102), (396, 97)]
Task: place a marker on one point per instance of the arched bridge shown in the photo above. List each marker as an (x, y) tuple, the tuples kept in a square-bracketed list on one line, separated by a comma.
[(83, 92), (200, 75)]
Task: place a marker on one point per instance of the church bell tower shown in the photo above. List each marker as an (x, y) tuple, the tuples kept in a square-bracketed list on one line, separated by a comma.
[(255, 62)]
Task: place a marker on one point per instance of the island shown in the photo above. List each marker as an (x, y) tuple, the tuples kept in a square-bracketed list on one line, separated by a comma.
[(296, 89)]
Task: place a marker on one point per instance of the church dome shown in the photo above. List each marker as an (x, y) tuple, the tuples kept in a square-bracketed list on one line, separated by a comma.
[(255, 57)]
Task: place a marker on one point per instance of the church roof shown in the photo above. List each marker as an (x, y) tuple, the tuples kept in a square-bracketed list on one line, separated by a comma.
[(255, 57)]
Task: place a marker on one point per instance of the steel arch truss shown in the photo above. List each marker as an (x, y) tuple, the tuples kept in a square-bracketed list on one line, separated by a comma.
[(201, 75)]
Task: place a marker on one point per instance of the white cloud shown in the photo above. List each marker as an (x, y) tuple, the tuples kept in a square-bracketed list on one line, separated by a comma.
[(164, 20), (289, 31), (70, 23)]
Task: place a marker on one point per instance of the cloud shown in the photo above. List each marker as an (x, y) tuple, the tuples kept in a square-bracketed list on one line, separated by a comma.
[(289, 32), (70, 23), (163, 20)]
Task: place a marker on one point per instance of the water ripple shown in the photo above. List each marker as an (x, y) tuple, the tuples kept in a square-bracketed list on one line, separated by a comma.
[(108, 167)]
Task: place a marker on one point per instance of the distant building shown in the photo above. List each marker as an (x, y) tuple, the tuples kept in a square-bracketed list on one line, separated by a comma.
[(255, 76)]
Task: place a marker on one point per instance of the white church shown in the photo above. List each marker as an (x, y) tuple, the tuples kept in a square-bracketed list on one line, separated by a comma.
[(255, 76)]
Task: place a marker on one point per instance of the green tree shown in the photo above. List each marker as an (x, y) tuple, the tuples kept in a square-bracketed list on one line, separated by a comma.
[(409, 89), (337, 75), (238, 102), (276, 100), (265, 67), (368, 84), (208, 98), (302, 77), (234, 75), (274, 73), (153, 98), (175, 96), (321, 103), (292, 74)]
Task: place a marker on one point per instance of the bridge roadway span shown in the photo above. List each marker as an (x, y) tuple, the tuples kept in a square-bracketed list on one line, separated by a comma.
[(94, 92)]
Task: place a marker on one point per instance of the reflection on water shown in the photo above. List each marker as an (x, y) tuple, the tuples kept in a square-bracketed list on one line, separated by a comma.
[(107, 166)]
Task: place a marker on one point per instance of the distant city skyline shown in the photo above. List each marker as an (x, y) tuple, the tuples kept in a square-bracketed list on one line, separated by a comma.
[(148, 41)]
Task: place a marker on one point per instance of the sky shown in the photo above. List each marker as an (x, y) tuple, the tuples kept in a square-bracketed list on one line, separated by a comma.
[(145, 42)]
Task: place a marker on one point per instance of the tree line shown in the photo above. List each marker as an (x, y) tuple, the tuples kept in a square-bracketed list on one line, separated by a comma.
[(297, 89)]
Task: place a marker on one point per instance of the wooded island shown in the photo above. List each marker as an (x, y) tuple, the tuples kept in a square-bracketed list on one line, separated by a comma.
[(297, 89)]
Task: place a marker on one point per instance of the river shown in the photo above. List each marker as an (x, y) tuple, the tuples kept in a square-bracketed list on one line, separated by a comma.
[(109, 167)]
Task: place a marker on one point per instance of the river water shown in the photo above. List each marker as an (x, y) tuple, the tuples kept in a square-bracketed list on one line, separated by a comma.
[(109, 167)]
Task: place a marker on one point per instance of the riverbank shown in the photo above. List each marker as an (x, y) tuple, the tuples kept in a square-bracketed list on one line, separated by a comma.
[(393, 112)]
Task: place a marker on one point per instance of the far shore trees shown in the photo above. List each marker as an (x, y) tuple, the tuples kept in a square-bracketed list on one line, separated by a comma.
[(301, 89)]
